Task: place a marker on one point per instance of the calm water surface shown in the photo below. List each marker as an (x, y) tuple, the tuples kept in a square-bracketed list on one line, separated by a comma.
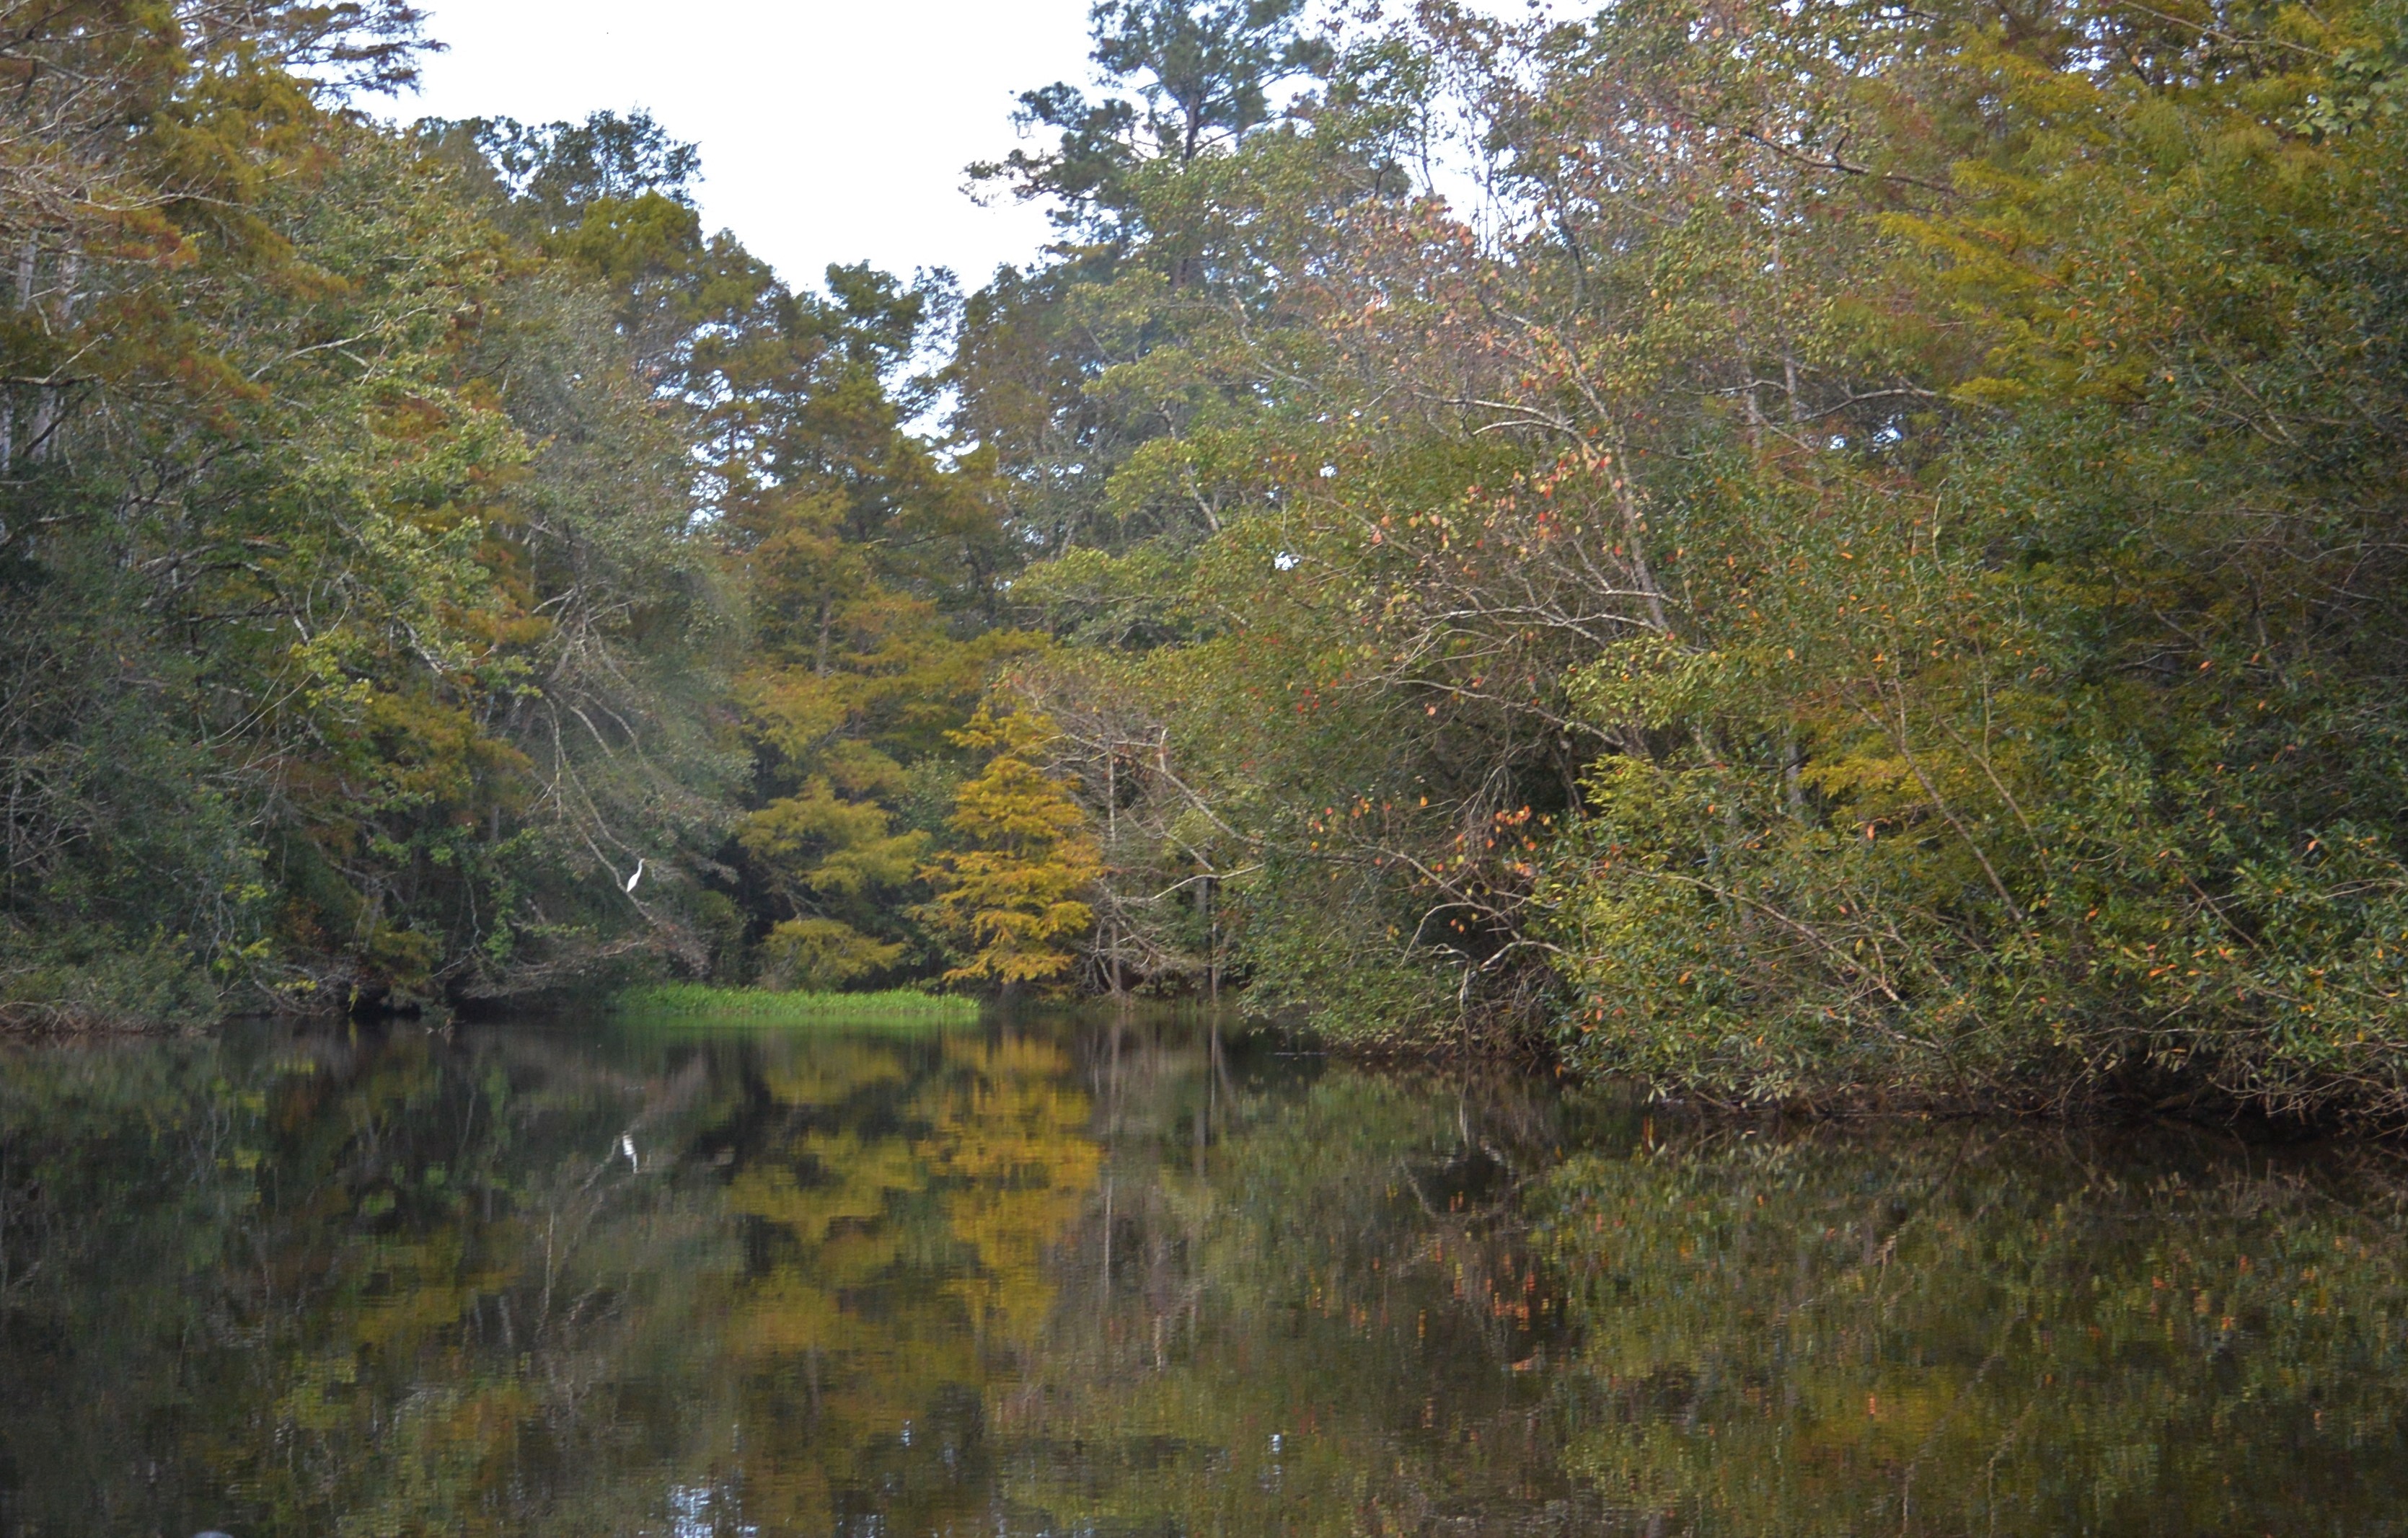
[(1068, 1279)]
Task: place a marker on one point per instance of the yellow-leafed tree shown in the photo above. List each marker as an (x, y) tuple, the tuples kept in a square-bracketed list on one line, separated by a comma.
[(1015, 896)]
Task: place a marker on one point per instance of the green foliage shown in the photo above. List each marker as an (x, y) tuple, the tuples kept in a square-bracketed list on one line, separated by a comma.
[(375, 643), (872, 566), (1867, 568), (359, 651), (1198, 75), (2045, 757), (1870, 574), (814, 953)]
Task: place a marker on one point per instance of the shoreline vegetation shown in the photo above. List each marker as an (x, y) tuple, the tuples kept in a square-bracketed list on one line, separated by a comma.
[(701, 1004), (1868, 572)]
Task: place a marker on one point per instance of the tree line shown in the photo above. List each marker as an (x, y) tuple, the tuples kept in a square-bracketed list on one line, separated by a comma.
[(1792, 551)]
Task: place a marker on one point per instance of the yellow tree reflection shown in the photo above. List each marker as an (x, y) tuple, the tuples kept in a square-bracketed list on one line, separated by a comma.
[(903, 1198)]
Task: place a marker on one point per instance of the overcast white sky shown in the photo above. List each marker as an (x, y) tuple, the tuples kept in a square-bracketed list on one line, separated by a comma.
[(831, 130)]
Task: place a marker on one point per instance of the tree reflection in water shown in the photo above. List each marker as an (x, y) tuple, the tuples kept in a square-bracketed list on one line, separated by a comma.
[(1051, 1277)]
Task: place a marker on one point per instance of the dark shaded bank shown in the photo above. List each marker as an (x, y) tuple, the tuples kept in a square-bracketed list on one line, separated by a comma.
[(2141, 1099)]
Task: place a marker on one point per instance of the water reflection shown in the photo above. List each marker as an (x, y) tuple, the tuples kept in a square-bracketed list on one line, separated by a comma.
[(1133, 1280)]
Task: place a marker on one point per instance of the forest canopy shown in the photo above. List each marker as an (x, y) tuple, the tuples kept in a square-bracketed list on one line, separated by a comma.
[(1796, 552)]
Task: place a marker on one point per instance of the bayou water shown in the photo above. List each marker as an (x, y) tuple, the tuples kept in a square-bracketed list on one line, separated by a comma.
[(1059, 1277)]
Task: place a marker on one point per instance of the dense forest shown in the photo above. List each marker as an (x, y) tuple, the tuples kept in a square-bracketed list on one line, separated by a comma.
[(1792, 551)]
